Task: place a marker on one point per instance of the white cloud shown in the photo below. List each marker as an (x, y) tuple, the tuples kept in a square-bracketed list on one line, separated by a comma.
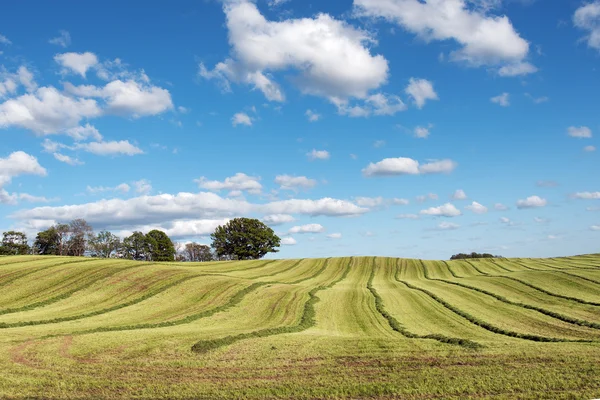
[(370, 202), (400, 202), (288, 241), (241, 119), (502, 100), (407, 166), (595, 227), (67, 159), (122, 188), (46, 111), (477, 208), (318, 155), (142, 186), (540, 220), (484, 39), (500, 207), (589, 149), (582, 132), (287, 182), (424, 198), (19, 163), (506, 221), (62, 40), (278, 219), (446, 210), (310, 228), (335, 236), (587, 195), (80, 133), (407, 216), (312, 116), (421, 90), (532, 202), (379, 143), (78, 63), (122, 147), (377, 104), (447, 226), (332, 57), (325, 206), (422, 132), (587, 18), (459, 195), (239, 181), (517, 69)]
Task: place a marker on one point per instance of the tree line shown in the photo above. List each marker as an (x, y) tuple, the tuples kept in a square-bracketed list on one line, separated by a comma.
[(239, 239), (462, 256)]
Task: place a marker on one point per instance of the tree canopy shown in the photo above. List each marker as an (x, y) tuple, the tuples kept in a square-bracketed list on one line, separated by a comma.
[(244, 239), (462, 256), (14, 243), (160, 247)]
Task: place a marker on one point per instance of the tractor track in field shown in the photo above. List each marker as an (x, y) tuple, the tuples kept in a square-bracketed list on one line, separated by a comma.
[(561, 317), (307, 319), (8, 281)]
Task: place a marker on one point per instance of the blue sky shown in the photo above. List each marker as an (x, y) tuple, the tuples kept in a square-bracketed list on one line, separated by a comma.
[(361, 127)]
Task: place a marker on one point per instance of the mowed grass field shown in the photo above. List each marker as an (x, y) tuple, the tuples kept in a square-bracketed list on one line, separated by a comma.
[(360, 327)]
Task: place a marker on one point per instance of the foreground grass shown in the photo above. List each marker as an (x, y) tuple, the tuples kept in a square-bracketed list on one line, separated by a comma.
[(335, 328)]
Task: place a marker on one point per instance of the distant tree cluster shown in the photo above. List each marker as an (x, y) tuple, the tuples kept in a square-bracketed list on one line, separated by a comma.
[(239, 239), (462, 256)]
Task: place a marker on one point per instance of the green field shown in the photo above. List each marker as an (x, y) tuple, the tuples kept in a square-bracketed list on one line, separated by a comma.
[(315, 328)]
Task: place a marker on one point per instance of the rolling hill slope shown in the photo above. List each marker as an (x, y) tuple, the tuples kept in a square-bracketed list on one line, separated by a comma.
[(312, 328)]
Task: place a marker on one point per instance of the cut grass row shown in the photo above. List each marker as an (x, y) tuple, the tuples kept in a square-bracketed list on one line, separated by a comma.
[(398, 327), (307, 320), (549, 313)]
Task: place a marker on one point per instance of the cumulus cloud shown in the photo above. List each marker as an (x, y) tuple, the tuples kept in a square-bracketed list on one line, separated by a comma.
[(500, 207), (370, 202), (421, 90), (4, 40), (400, 202), (408, 166), (332, 58), (422, 132), (143, 186), (446, 210), (67, 159), (477, 208), (581, 132), (335, 236), (164, 209), (532, 202), (86, 132), (587, 18), (238, 182), (288, 241), (459, 195), (483, 39), (122, 147), (318, 155), (502, 100), (287, 182), (17, 164), (309, 228), (517, 69), (589, 149), (278, 219), (78, 63), (376, 104), (447, 226), (62, 40), (241, 119), (595, 227)]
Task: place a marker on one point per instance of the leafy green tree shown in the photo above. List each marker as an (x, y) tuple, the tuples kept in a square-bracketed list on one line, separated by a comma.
[(47, 242), (160, 246), (135, 247), (14, 243), (244, 239), (104, 244)]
